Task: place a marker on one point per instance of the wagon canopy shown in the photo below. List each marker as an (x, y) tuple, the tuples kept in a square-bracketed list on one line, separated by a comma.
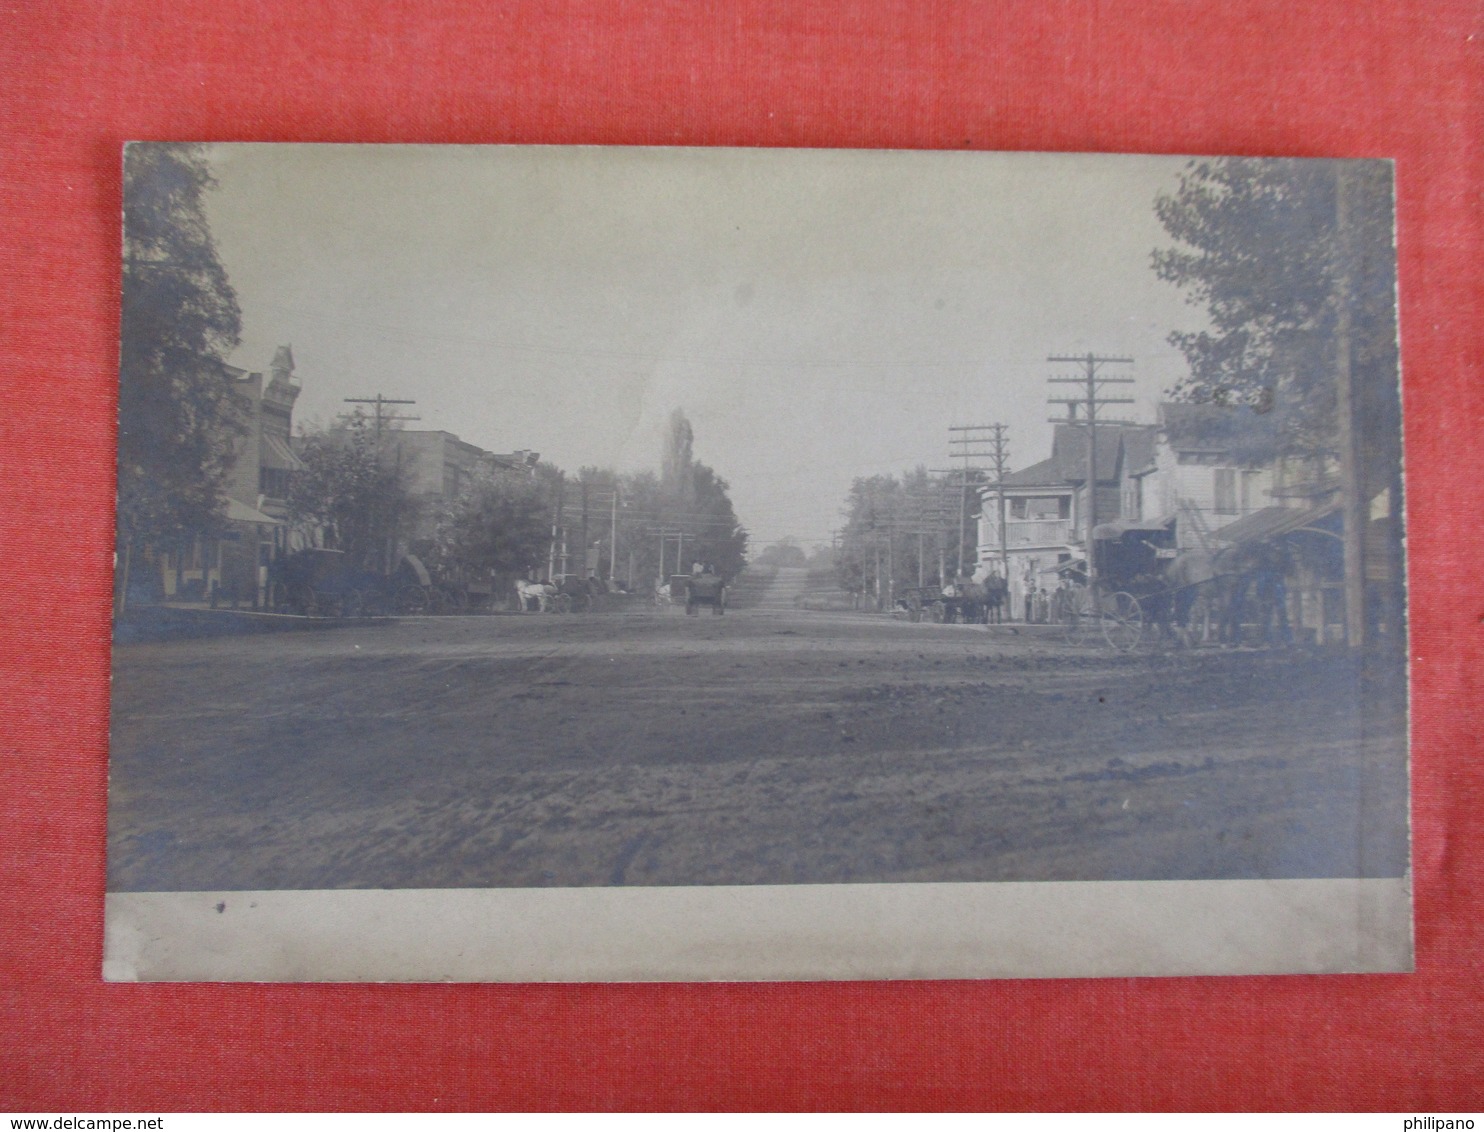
[(1120, 527)]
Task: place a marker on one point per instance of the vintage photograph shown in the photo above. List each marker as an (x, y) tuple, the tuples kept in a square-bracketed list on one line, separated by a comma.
[(570, 562)]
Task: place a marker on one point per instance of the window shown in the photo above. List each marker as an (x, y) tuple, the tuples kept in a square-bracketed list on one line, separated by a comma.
[(1226, 491), (274, 482)]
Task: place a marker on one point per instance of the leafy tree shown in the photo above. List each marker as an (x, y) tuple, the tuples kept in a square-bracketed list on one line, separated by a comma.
[(677, 460), (719, 539), (351, 494), (178, 416), (500, 522), (880, 547), (1261, 246)]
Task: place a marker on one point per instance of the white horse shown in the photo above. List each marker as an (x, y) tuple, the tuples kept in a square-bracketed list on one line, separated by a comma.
[(542, 593)]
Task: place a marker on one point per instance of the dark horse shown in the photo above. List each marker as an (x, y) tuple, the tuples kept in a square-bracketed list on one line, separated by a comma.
[(1200, 594), (996, 597)]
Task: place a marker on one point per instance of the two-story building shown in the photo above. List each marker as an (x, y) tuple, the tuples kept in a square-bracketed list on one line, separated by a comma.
[(1195, 474), (1046, 504), (232, 563), (438, 467)]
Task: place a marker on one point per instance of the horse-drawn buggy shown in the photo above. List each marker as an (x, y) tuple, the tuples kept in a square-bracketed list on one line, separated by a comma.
[(324, 583), (1130, 587), (705, 588), (1144, 582)]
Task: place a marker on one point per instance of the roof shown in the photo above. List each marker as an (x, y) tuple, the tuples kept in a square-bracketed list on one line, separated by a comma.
[(1068, 462), (1192, 427), (1047, 473), (283, 359), (1138, 450), (1120, 527), (1272, 522), (239, 512), (275, 453)]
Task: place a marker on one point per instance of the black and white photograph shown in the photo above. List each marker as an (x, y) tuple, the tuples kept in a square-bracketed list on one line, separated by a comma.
[(579, 563)]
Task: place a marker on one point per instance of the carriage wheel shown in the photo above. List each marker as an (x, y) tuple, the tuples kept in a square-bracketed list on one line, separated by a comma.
[(1122, 621), (412, 600), (562, 603)]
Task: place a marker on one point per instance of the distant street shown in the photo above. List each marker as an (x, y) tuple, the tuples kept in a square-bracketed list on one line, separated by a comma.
[(769, 745)]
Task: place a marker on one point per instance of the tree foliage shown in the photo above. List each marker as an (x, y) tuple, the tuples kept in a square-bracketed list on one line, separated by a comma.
[(688, 499), (899, 529), (499, 522), (178, 416), (1281, 255), (351, 493)]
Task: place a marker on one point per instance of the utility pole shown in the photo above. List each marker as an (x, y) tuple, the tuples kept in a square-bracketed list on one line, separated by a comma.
[(973, 442), (1354, 513), (1090, 398), (381, 418), (556, 526), (1001, 458)]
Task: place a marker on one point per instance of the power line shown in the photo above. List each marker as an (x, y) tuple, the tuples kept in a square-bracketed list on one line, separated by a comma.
[(1091, 399)]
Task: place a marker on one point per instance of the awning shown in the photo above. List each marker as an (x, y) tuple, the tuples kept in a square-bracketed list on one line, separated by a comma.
[(1271, 522), (1120, 527), (239, 512), (275, 453)]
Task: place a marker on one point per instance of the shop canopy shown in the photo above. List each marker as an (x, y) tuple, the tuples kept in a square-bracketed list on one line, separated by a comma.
[(1272, 522)]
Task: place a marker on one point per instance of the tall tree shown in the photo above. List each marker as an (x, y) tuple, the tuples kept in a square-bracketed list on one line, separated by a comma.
[(1260, 246), (719, 539), (1295, 264), (357, 499), (677, 458), (178, 417), (500, 522)]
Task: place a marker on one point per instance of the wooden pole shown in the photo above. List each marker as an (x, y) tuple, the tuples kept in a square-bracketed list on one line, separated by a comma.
[(1352, 494)]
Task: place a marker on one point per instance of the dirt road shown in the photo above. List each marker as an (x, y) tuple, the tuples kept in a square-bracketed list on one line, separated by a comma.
[(764, 746)]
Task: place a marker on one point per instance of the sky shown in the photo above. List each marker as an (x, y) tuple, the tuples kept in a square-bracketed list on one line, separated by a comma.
[(817, 314)]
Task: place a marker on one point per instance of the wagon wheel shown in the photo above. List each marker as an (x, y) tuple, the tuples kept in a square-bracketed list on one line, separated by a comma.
[(412, 599), (562, 603), (1122, 621)]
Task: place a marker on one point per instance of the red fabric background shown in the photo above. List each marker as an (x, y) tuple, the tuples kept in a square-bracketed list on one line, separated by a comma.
[(1329, 77)]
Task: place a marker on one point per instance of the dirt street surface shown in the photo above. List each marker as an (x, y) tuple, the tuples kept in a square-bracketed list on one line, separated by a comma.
[(764, 746)]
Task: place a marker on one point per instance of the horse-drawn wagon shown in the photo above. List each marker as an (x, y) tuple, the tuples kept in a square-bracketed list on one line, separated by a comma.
[(964, 602), (705, 588)]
